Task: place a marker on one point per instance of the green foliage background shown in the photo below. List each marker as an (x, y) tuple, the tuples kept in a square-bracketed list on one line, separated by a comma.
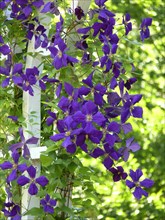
[(114, 201)]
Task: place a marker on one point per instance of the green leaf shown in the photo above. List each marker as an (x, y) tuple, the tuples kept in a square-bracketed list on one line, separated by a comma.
[(46, 160), (35, 212), (72, 167)]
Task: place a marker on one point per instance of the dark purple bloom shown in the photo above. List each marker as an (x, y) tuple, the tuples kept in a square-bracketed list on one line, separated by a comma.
[(14, 166), (86, 58), (126, 128), (50, 120), (114, 127), (33, 181), (14, 118), (2, 5), (68, 129), (130, 145), (14, 74), (95, 137), (129, 83), (79, 12), (98, 90), (83, 30), (144, 30), (23, 144), (118, 173), (82, 44), (88, 116), (30, 78), (100, 3), (4, 49), (39, 34), (129, 109), (59, 26), (21, 10), (113, 83), (48, 204), (109, 152), (12, 210), (58, 53), (117, 69), (1, 40), (139, 191), (127, 23), (69, 105), (107, 62)]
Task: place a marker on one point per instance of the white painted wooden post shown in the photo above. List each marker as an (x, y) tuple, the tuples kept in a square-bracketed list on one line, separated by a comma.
[(33, 104), (84, 4)]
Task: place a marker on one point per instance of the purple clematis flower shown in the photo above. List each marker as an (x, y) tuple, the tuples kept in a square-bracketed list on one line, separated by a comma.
[(129, 82), (4, 49), (14, 74), (118, 173), (86, 58), (69, 105), (110, 155), (58, 53), (127, 23), (2, 5), (12, 210), (98, 90), (130, 145), (23, 144), (48, 204), (13, 118), (14, 166), (68, 130), (33, 181), (88, 116), (126, 128), (129, 109), (144, 30), (39, 34), (50, 120), (79, 12), (21, 10), (95, 137), (117, 69), (139, 191), (100, 3), (29, 80)]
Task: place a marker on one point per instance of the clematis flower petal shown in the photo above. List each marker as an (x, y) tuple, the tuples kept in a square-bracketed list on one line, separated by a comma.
[(31, 171), (33, 190), (147, 183), (12, 176), (130, 184), (42, 180), (23, 180), (139, 192), (6, 165)]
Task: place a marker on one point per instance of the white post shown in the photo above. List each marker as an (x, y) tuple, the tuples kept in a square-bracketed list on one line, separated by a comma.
[(84, 4), (33, 104)]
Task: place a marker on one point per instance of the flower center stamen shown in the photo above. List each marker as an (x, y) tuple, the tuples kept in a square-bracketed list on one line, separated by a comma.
[(89, 118)]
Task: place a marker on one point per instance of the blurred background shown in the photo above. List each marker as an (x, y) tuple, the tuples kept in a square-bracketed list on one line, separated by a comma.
[(115, 201)]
